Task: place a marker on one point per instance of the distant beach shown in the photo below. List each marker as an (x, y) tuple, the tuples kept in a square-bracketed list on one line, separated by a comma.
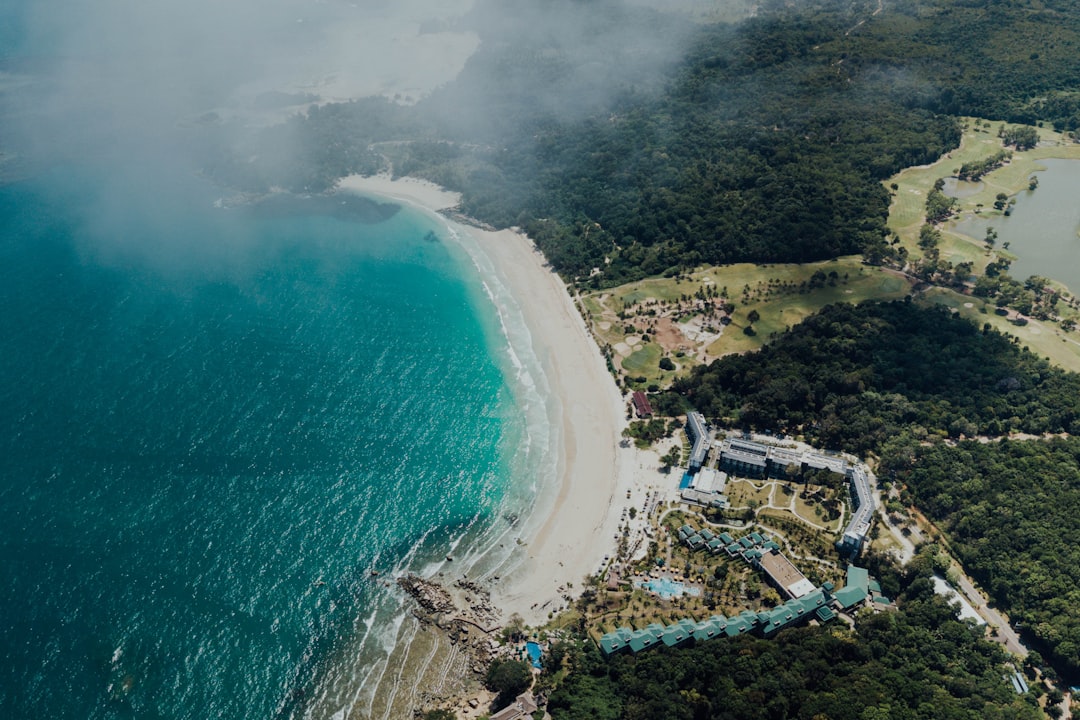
[(568, 537)]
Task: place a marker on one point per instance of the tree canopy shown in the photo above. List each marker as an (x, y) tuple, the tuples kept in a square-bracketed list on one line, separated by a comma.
[(918, 662), (856, 377), (1011, 511)]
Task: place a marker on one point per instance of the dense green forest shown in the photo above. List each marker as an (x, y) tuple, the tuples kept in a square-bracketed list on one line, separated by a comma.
[(760, 141), (1011, 511), (859, 377), (917, 662)]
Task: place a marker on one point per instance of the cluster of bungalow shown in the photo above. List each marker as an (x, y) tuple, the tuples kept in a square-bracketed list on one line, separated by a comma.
[(717, 543), (820, 604), (760, 551)]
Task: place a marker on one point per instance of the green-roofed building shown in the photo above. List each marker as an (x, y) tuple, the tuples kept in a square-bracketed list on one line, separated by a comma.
[(706, 534), (737, 626), (849, 596), (770, 545), (726, 538), (858, 577), (757, 538), (715, 545), (711, 628), (825, 613), (746, 542), (733, 549), (678, 633), (695, 541), (616, 641), (793, 612), (642, 640)]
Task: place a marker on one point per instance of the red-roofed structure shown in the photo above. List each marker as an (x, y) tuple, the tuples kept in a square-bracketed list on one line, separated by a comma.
[(641, 405)]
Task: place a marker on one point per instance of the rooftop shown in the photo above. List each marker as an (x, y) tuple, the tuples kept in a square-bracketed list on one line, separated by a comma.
[(849, 596), (785, 575)]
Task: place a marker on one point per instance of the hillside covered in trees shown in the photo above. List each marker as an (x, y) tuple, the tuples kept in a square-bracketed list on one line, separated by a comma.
[(917, 663), (859, 377), (1011, 511), (760, 141)]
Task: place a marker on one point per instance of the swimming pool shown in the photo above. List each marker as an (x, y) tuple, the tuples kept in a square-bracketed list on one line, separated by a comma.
[(667, 588), (534, 653)]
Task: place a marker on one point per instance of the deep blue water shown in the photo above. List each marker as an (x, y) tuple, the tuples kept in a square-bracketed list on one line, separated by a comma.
[(214, 423)]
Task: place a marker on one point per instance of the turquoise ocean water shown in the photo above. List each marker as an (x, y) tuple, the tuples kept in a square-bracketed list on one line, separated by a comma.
[(215, 423)]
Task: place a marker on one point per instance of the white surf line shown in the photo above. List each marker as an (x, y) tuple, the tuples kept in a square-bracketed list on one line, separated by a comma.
[(410, 636)]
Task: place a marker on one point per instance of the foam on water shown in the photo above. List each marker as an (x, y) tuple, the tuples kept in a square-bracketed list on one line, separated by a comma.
[(203, 467)]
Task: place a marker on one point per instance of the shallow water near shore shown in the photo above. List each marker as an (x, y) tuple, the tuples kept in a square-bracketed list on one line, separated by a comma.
[(217, 423)]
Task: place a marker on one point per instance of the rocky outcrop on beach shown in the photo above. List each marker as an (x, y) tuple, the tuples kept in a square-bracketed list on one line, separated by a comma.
[(465, 616), (431, 596)]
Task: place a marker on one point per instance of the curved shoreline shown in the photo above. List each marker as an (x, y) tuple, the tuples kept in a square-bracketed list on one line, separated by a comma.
[(572, 537)]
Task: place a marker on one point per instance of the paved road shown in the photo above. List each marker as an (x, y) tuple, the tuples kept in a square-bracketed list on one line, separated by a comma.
[(1004, 632)]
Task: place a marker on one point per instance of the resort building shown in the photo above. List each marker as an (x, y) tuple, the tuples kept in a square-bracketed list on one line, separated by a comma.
[(805, 602), (754, 459), (766, 623), (757, 460), (698, 432), (524, 706), (744, 457), (642, 407), (706, 488), (862, 500), (860, 590), (784, 576)]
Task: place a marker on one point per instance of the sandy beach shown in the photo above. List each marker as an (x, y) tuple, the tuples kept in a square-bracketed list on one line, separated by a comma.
[(595, 472)]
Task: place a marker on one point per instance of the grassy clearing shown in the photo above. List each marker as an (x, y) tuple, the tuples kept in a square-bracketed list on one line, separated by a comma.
[(1045, 339), (742, 492), (779, 311), (683, 315), (907, 213), (805, 510), (643, 361)]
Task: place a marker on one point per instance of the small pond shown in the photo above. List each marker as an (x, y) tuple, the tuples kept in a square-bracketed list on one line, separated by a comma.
[(956, 188), (1042, 230)]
